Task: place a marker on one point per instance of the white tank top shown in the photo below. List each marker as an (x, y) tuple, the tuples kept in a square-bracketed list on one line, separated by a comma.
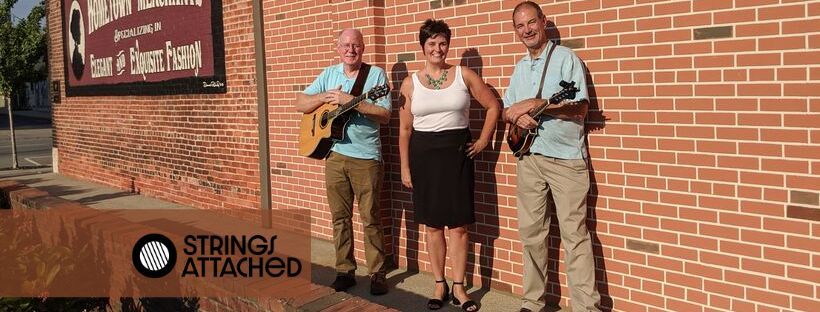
[(439, 110)]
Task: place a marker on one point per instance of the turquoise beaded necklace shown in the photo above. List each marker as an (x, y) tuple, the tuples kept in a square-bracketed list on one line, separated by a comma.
[(436, 83)]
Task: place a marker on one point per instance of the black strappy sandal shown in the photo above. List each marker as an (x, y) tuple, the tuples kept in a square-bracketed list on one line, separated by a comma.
[(435, 303), (469, 305)]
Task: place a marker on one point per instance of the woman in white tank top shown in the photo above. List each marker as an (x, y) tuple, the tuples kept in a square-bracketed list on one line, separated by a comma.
[(437, 152)]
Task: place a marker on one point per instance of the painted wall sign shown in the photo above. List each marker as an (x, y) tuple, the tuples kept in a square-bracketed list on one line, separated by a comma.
[(143, 47)]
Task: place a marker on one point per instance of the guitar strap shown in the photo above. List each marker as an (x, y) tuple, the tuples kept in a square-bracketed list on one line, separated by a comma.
[(358, 86), (544, 74)]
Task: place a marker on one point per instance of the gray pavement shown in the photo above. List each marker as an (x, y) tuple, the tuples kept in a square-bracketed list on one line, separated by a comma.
[(33, 134), (410, 289), (33, 148)]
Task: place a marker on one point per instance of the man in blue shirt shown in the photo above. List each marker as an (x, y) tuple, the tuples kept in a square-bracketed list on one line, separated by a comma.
[(354, 166), (556, 164)]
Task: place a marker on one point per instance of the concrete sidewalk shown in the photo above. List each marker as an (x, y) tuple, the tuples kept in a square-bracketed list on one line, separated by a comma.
[(409, 290)]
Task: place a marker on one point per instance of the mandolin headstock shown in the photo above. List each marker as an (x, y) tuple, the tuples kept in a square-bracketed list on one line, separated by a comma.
[(567, 92)]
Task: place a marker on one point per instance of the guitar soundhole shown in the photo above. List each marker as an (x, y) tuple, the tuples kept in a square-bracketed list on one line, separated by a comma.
[(323, 122)]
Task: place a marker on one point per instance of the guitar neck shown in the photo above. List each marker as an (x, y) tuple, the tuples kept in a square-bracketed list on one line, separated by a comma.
[(542, 107), (344, 108)]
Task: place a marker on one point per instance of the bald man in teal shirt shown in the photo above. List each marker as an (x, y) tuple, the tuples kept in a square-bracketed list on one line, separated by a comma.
[(354, 167)]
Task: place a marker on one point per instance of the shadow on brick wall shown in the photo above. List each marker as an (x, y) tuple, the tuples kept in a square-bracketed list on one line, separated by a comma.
[(487, 209), (397, 74), (486, 189), (595, 121)]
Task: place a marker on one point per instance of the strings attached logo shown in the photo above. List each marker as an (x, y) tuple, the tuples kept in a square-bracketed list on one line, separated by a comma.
[(154, 255)]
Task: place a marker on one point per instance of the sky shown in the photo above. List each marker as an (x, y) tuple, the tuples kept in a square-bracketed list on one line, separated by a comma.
[(22, 7)]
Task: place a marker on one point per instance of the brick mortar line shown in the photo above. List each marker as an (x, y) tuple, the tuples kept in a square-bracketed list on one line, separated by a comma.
[(782, 144), (673, 43), (701, 249), (780, 188), (740, 170), (712, 266), (791, 296), (710, 83), (737, 170), (693, 68), (653, 31), (710, 223), (617, 9), (702, 112), (740, 199), (680, 70), (698, 249), (763, 217), (735, 112)]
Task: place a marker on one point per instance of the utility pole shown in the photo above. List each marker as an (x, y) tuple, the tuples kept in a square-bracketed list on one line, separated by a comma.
[(262, 108)]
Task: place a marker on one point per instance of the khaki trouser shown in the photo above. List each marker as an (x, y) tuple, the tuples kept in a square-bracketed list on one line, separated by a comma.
[(568, 182), (345, 178)]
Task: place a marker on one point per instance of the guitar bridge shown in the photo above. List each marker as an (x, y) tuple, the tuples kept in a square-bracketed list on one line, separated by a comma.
[(313, 126)]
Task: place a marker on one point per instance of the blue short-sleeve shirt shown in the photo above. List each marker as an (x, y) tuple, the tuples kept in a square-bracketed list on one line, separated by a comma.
[(362, 134), (556, 137)]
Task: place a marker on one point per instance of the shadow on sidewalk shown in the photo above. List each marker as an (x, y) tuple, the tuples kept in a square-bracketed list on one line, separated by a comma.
[(56, 189)]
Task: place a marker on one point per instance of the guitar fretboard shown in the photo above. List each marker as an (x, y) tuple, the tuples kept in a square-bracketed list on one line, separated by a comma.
[(344, 108)]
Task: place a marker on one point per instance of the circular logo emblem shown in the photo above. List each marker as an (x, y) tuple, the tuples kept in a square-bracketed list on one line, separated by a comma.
[(154, 255)]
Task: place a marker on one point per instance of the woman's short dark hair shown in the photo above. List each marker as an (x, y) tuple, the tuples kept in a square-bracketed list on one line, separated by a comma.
[(432, 28)]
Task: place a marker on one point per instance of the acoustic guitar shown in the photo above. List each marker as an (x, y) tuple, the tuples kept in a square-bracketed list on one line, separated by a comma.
[(519, 139), (325, 125)]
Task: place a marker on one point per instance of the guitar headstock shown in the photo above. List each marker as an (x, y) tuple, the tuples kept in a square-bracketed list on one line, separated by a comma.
[(567, 92), (378, 92)]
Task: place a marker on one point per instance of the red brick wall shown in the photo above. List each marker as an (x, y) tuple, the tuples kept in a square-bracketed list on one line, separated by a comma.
[(200, 150), (704, 139)]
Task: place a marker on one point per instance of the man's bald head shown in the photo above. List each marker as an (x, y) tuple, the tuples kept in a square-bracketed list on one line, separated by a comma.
[(351, 32)]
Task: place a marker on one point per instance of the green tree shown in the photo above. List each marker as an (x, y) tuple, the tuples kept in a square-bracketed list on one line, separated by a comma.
[(22, 47)]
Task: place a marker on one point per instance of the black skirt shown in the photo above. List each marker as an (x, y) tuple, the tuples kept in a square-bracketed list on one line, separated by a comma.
[(443, 178)]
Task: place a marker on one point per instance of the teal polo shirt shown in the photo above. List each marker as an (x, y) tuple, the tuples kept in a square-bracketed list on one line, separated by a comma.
[(556, 137), (362, 134)]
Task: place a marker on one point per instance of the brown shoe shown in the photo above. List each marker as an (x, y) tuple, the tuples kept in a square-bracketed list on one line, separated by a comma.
[(378, 284)]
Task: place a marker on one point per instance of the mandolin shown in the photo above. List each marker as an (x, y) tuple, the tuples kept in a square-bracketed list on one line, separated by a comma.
[(519, 139)]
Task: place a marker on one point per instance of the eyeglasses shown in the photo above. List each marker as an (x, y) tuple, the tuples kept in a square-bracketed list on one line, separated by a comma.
[(350, 46)]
